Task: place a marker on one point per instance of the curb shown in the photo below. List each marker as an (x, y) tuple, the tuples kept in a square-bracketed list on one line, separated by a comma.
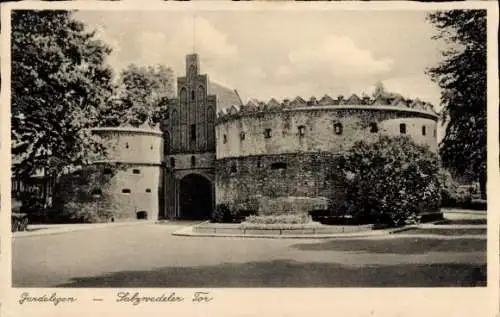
[(188, 232), (59, 229), (393, 233)]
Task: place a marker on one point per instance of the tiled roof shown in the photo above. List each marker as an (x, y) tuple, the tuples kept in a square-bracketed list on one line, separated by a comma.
[(226, 97)]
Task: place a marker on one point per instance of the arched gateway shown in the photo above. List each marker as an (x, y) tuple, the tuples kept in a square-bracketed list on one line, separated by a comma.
[(195, 197)]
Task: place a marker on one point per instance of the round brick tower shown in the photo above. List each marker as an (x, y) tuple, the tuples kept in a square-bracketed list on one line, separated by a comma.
[(284, 149), (132, 171)]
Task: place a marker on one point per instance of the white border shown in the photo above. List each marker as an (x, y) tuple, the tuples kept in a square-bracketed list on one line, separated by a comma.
[(275, 302)]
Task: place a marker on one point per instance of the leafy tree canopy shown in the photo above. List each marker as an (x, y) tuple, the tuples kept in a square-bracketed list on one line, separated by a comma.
[(462, 77), (59, 84), (390, 181), (142, 96)]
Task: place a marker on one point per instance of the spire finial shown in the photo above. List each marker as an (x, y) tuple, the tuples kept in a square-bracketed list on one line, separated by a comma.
[(194, 33)]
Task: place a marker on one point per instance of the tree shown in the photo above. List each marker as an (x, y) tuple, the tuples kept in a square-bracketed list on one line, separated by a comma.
[(389, 181), (142, 95), (59, 82), (462, 77)]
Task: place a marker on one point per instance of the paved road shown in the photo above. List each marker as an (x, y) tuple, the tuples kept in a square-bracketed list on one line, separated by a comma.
[(147, 255)]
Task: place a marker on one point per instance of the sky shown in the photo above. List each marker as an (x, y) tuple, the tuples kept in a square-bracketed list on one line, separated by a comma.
[(281, 54)]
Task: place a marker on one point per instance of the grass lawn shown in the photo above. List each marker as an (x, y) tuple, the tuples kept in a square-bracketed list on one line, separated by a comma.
[(447, 231), (396, 245)]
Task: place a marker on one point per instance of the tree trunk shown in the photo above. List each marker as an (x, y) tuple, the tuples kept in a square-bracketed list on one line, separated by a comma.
[(482, 184)]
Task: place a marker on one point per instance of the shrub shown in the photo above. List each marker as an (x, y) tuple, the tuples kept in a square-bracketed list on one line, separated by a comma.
[(223, 214), (390, 181), (33, 206)]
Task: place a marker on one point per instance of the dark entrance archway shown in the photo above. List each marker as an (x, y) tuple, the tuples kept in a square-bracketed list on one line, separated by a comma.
[(195, 197)]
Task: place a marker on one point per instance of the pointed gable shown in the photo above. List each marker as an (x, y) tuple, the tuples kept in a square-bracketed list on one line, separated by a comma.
[(399, 101), (297, 102), (312, 101), (326, 100), (380, 101), (250, 107), (234, 109), (273, 104), (353, 100), (416, 104), (340, 100)]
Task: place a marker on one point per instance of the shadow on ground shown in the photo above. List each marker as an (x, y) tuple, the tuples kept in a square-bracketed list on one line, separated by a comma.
[(398, 246), (289, 273)]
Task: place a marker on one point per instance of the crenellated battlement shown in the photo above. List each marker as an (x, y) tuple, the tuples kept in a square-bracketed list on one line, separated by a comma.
[(387, 101)]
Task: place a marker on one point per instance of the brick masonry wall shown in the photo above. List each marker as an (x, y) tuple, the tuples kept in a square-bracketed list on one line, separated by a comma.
[(319, 133), (238, 180)]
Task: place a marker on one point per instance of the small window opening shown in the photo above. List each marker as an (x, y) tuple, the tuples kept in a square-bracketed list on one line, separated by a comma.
[(148, 190), (278, 166), (192, 95), (234, 169), (302, 130), (136, 171), (151, 147), (224, 137), (107, 171), (142, 215), (338, 128), (126, 145), (424, 132), (373, 127), (126, 191), (267, 133), (96, 192), (259, 162), (242, 136), (402, 128), (172, 162), (193, 132), (435, 133), (193, 161)]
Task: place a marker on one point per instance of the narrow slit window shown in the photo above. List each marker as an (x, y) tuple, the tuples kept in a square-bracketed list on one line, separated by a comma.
[(424, 132), (242, 136), (302, 130), (193, 161), (234, 168), (278, 166), (96, 192), (373, 127), (267, 133), (193, 132), (402, 128), (172, 162), (224, 139), (337, 127)]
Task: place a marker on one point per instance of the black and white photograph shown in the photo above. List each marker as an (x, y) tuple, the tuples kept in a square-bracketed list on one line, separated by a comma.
[(271, 148)]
